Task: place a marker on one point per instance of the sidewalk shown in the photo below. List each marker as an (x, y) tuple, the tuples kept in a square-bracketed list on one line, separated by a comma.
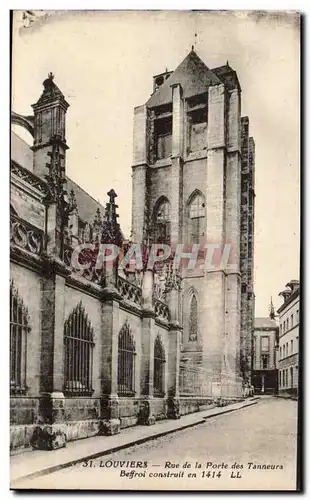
[(39, 462)]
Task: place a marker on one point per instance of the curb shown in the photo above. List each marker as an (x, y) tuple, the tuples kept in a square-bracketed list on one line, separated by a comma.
[(229, 410), (55, 468)]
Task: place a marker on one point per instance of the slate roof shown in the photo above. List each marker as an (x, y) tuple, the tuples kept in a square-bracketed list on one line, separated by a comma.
[(87, 205), (21, 152), (290, 298), (193, 75), (264, 323)]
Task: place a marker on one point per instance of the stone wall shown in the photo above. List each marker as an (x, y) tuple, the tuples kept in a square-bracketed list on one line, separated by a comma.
[(160, 408), (27, 206), (160, 185), (28, 284), (129, 409), (191, 405), (79, 417), (82, 417), (23, 417), (24, 409)]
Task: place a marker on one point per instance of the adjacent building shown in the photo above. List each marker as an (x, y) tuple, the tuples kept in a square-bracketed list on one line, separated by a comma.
[(288, 362), (265, 348)]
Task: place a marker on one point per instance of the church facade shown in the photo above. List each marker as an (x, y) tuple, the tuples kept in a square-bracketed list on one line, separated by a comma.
[(94, 350)]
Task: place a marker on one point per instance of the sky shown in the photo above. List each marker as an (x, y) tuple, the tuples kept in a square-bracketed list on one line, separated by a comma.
[(104, 62)]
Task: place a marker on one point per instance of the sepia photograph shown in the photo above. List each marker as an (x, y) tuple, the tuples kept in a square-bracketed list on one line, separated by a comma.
[(155, 250)]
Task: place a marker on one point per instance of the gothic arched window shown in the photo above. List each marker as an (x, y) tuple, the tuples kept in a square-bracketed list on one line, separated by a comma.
[(159, 368), (193, 319), (196, 218), (79, 344), (126, 362), (162, 222), (19, 329)]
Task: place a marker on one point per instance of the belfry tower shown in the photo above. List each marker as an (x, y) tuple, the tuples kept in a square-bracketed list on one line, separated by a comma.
[(192, 174)]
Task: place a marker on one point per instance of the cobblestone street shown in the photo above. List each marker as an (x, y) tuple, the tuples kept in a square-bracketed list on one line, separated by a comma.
[(251, 448)]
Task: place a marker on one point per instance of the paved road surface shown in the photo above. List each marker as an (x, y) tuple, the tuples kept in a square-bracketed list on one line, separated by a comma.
[(230, 450)]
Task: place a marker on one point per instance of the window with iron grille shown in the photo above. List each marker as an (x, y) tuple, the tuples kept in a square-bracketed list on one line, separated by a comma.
[(193, 319), (126, 362), (196, 219), (159, 368), (79, 344), (19, 329)]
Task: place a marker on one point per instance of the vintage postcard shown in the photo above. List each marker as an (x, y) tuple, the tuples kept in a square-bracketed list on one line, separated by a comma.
[(154, 309)]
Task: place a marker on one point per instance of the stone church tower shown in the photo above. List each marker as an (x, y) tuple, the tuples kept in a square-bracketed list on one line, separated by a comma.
[(192, 174)]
